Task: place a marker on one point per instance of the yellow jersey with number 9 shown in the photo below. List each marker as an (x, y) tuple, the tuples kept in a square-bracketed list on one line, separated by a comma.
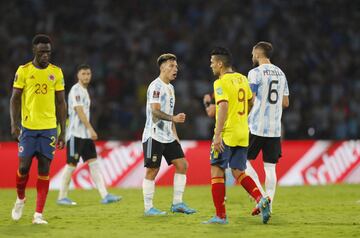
[(38, 95), (234, 88)]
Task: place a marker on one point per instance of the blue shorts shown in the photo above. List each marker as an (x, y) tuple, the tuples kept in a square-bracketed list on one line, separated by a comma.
[(233, 157), (32, 142)]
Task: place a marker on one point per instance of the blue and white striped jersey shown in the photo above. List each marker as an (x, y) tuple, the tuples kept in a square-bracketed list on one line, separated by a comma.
[(160, 130), (270, 85), (78, 96)]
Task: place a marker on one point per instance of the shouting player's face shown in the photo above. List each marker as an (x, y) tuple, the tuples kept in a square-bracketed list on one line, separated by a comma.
[(42, 54), (215, 65), (169, 69), (84, 76)]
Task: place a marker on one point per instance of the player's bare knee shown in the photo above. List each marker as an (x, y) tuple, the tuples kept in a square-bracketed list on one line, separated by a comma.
[(237, 172), (181, 166), (151, 173)]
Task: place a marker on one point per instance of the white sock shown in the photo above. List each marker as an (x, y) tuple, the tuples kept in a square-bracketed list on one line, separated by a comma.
[(270, 181), (252, 173), (65, 181), (18, 200), (36, 214), (179, 187), (97, 178), (148, 187)]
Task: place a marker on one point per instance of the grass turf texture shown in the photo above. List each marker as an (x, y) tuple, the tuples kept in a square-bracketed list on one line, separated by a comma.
[(323, 211)]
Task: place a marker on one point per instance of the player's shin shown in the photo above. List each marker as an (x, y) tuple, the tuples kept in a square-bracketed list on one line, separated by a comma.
[(249, 185), (179, 187), (148, 187), (42, 187), (270, 180), (98, 178), (218, 194), (65, 181), (21, 181)]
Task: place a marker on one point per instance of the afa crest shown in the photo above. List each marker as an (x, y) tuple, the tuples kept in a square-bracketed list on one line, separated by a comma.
[(154, 158)]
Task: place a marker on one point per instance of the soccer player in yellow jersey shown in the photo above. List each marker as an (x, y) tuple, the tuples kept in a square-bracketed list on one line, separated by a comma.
[(231, 137), (37, 104)]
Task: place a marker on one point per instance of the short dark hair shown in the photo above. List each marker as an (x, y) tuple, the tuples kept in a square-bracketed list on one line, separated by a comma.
[(82, 66), (266, 47), (41, 38), (223, 54), (165, 57)]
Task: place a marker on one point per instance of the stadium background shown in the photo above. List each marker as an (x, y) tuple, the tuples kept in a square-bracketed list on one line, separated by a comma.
[(316, 44)]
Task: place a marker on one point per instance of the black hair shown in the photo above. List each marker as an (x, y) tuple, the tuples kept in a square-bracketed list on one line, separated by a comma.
[(82, 66), (223, 54), (165, 57), (41, 38), (266, 47)]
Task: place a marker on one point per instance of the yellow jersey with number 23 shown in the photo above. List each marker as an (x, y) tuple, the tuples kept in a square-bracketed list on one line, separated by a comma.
[(38, 96)]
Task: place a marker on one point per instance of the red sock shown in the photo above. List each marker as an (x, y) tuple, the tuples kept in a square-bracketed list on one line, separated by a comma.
[(218, 194), (42, 187), (21, 181), (248, 183)]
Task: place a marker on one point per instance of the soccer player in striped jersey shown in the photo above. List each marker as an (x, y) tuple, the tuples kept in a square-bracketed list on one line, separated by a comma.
[(80, 137), (231, 136), (38, 93), (160, 138), (270, 89)]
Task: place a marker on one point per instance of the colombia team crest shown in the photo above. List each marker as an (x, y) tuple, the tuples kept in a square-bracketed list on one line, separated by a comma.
[(51, 77)]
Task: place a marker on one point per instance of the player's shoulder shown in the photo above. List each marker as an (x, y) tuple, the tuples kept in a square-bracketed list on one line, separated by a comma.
[(156, 83), (75, 88), (254, 71), (279, 69), (25, 66), (55, 68), (240, 75), (217, 81)]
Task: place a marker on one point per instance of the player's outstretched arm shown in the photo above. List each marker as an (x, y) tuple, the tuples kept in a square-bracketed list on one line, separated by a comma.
[(15, 112), (156, 112), (60, 105)]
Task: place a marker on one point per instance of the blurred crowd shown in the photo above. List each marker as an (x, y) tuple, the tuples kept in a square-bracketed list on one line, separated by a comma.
[(316, 43)]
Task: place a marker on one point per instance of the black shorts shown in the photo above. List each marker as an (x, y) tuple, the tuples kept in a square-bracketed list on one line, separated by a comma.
[(270, 146), (154, 150), (78, 147)]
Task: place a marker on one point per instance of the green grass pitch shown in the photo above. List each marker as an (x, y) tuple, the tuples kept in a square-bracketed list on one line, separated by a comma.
[(319, 211)]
